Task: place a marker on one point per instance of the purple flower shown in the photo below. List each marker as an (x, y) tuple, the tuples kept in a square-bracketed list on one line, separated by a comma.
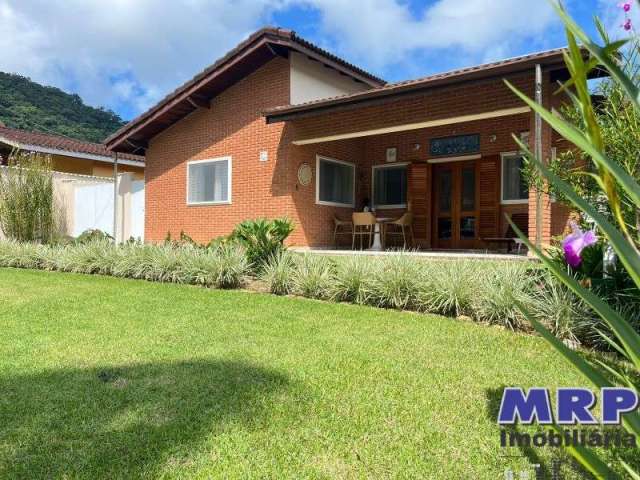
[(627, 24), (574, 243), (626, 6)]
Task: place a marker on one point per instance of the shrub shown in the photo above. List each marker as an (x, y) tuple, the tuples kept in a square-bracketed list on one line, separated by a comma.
[(501, 287), (396, 282), (278, 273), (230, 266), (449, 287), (19, 254), (312, 277), (93, 257), (27, 204), (262, 239), (352, 282), (92, 235)]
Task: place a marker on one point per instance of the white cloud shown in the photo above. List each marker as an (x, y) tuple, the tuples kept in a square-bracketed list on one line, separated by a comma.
[(381, 32), (126, 54)]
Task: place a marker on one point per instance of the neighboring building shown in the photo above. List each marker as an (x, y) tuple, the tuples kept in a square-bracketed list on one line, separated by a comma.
[(69, 155), (280, 127)]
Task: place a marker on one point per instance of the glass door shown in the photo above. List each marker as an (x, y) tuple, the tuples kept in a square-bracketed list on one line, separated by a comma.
[(455, 205)]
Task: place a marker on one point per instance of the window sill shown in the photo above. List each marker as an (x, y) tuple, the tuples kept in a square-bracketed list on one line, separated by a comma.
[(204, 204), (514, 202), (334, 204)]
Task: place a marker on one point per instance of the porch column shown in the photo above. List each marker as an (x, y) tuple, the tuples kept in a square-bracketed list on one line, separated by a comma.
[(540, 144)]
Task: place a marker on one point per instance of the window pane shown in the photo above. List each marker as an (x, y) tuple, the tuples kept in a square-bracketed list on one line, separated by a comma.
[(468, 193), (444, 198), (336, 182), (390, 186), (209, 182), (468, 227), (444, 228), (514, 184)]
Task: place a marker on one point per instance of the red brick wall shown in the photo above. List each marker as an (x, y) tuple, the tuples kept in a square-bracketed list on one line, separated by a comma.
[(234, 126)]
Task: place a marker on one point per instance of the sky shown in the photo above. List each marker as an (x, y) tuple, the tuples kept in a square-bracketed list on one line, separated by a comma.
[(125, 55)]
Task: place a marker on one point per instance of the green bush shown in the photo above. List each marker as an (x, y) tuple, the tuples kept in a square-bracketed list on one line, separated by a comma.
[(450, 287), (262, 239), (27, 203), (352, 282), (222, 267), (501, 287), (278, 273), (396, 282), (313, 276)]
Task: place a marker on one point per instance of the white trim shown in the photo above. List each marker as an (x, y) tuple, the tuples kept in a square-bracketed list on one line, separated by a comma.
[(415, 126), (353, 190), (69, 153), (373, 182), (461, 158), (229, 180), (519, 201)]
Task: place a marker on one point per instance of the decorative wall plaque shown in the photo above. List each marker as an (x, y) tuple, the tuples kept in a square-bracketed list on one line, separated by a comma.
[(392, 154), (452, 146), (304, 174)]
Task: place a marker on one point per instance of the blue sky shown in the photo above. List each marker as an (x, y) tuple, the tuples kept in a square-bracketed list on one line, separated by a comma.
[(127, 54)]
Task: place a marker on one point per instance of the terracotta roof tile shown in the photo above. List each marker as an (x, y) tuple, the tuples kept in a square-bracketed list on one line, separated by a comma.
[(24, 138)]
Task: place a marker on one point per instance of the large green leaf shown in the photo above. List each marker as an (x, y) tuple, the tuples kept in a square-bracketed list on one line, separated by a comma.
[(577, 137), (604, 56), (626, 251)]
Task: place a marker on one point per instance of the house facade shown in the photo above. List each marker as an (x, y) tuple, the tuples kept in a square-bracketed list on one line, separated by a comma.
[(279, 127)]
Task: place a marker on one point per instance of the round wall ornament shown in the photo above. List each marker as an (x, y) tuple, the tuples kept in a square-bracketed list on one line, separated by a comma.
[(305, 174)]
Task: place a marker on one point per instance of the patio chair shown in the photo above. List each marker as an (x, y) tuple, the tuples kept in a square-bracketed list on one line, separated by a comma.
[(341, 227), (400, 228), (364, 225)]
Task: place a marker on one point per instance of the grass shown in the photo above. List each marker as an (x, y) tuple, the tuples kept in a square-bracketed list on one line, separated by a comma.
[(111, 378)]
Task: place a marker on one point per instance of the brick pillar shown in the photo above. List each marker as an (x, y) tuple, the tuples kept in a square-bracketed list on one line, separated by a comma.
[(546, 154)]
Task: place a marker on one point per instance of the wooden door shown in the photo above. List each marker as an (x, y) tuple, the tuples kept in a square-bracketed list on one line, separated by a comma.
[(456, 205), (420, 198)]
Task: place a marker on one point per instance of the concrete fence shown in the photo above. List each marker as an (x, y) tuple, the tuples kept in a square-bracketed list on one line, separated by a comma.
[(86, 203)]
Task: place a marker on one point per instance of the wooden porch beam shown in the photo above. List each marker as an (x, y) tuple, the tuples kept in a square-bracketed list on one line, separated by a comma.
[(416, 126)]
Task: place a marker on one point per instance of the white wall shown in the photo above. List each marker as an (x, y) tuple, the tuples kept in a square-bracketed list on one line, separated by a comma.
[(311, 80)]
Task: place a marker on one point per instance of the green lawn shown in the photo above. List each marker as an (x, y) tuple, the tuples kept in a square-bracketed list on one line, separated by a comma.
[(109, 378)]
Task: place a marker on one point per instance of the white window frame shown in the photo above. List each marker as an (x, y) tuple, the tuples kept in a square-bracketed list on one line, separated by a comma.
[(229, 178), (373, 183), (353, 190), (521, 201)]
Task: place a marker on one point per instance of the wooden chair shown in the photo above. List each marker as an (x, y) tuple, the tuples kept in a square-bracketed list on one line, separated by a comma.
[(510, 238), (401, 227), (364, 224), (341, 227)]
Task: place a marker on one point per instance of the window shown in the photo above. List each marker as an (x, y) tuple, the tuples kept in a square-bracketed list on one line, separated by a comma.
[(390, 186), (514, 185), (209, 181), (335, 182)]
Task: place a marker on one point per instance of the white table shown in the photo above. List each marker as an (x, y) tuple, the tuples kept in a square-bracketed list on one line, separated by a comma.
[(377, 236)]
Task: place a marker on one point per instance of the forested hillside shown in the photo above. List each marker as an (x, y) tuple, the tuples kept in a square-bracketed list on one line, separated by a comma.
[(28, 105)]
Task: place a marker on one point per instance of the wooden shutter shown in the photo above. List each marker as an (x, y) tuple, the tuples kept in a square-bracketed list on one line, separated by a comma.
[(420, 198), (489, 186)]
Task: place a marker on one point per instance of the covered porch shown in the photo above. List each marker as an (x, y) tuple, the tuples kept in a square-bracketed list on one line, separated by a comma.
[(440, 149)]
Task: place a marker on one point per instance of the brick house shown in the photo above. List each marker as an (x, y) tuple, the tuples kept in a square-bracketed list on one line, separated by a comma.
[(280, 127)]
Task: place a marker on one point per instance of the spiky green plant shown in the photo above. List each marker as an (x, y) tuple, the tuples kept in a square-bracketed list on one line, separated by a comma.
[(262, 238), (27, 202), (396, 282), (278, 273), (618, 186), (313, 276), (353, 279), (449, 288)]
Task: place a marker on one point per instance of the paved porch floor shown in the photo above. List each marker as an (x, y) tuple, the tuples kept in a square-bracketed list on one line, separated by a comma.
[(446, 254)]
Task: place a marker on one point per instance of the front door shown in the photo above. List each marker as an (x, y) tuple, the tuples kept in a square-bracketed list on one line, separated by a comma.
[(455, 204)]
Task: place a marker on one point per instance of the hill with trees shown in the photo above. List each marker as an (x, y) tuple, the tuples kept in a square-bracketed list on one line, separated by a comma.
[(28, 105)]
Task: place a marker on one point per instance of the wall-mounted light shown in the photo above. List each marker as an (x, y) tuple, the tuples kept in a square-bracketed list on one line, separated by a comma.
[(492, 138), (416, 147)]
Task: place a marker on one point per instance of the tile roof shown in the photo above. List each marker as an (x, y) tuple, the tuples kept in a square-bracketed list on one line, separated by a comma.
[(554, 56), (24, 139), (268, 35)]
